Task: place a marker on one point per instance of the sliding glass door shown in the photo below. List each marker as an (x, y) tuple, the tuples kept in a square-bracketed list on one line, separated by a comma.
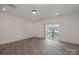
[(51, 31)]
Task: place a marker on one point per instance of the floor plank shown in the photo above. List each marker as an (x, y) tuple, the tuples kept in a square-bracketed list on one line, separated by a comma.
[(38, 46)]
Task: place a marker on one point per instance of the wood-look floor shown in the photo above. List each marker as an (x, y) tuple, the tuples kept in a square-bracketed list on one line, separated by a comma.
[(38, 46)]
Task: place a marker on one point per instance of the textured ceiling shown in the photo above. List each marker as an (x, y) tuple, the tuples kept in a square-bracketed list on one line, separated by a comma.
[(45, 10)]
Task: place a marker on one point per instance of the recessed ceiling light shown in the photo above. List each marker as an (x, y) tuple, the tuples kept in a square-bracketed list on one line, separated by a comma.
[(34, 11), (3, 9), (57, 13)]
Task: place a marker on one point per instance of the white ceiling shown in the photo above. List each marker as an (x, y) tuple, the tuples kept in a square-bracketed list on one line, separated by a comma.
[(45, 10)]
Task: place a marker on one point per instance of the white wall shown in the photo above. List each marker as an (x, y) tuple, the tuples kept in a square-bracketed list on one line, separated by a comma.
[(13, 28), (68, 27)]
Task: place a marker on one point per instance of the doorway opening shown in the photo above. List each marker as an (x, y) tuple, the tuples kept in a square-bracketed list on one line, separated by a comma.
[(51, 31)]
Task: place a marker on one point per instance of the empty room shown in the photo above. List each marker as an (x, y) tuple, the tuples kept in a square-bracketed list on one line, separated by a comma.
[(39, 29)]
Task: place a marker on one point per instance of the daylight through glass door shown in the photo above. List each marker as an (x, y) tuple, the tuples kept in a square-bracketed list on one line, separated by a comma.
[(51, 31)]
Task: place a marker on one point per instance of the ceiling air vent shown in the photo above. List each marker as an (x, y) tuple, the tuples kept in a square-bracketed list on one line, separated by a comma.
[(12, 5)]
